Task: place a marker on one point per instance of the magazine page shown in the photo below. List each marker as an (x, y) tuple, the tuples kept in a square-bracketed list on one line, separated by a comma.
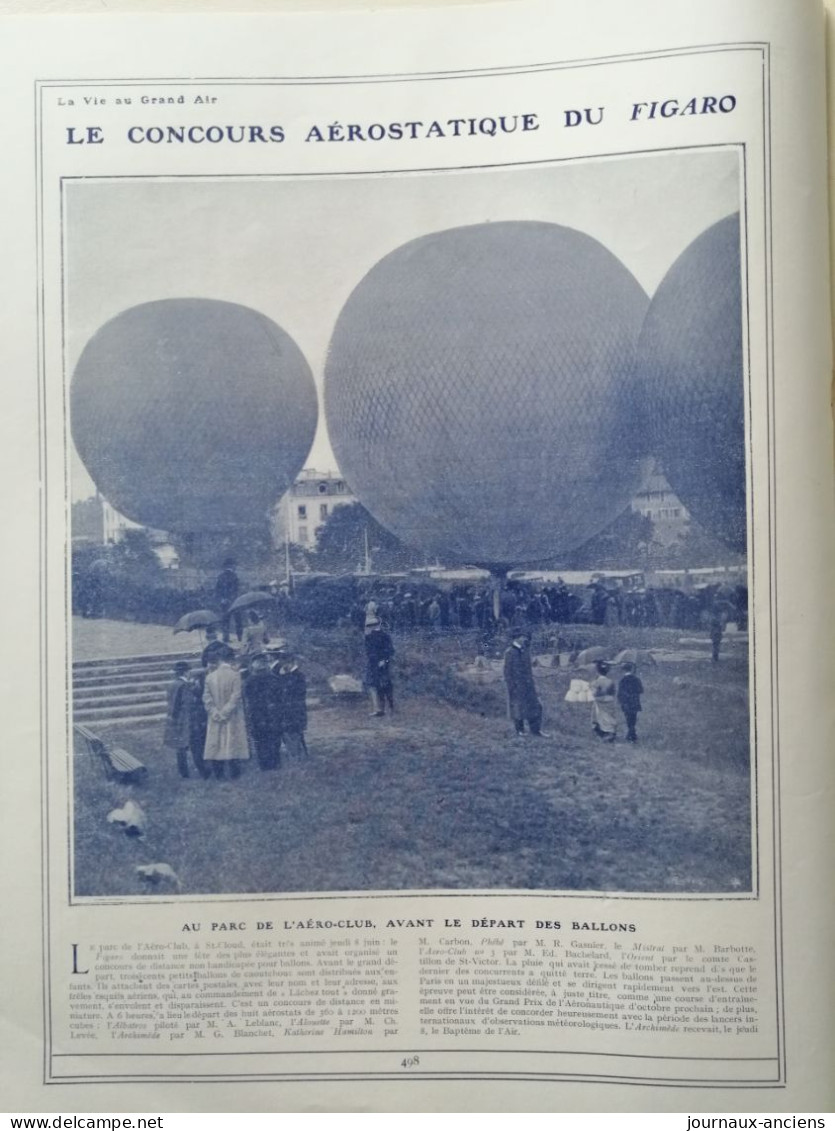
[(420, 502)]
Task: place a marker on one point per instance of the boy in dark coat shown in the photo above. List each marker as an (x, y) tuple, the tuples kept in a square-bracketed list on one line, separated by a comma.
[(630, 690), (178, 716), (198, 721)]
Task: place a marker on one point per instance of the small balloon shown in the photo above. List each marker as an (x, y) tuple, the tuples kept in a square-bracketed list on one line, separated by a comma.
[(192, 415)]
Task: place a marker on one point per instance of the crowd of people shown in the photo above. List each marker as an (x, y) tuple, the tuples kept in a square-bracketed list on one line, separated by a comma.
[(531, 605), (236, 707), (250, 703)]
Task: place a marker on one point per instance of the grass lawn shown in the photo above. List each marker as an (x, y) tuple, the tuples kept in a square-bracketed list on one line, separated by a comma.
[(442, 796)]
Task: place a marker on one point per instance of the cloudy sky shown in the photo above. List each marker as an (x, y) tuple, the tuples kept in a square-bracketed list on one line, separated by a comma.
[(294, 248)]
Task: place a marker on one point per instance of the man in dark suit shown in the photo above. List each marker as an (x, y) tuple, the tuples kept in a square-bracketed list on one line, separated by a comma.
[(379, 653), (523, 705), (292, 697), (262, 695)]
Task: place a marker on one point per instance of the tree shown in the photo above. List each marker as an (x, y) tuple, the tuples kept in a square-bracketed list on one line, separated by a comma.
[(625, 543), (299, 558), (695, 548), (341, 542), (207, 549), (133, 557)]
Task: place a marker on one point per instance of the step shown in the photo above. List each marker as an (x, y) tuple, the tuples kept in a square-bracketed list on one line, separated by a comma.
[(133, 721), (124, 669), (142, 679), (124, 681), (92, 709), (127, 716), (125, 675), (162, 659), (86, 702), (94, 714), (121, 686), (107, 691)]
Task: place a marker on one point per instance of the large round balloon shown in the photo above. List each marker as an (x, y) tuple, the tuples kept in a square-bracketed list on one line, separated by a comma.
[(193, 415), (478, 391), (690, 357)]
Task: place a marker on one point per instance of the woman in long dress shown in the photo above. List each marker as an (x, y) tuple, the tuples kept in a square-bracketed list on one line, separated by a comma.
[(226, 737), (604, 719)]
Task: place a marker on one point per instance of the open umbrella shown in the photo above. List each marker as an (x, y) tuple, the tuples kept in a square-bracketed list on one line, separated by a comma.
[(591, 655), (200, 618), (247, 600)]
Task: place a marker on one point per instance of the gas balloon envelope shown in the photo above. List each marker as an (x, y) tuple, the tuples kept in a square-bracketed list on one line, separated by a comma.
[(690, 359), (478, 391), (192, 415)]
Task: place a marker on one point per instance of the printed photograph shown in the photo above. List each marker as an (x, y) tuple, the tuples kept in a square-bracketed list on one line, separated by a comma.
[(409, 531)]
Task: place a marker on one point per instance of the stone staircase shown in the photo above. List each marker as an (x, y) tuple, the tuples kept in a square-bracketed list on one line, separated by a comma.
[(127, 692), (130, 692)]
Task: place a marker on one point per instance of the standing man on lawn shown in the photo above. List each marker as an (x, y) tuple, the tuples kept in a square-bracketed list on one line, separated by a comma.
[(263, 702), (292, 698), (523, 705), (379, 653), (717, 621), (227, 588)]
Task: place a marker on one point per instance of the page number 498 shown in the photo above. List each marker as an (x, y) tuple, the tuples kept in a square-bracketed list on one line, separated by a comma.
[(410, 1062)]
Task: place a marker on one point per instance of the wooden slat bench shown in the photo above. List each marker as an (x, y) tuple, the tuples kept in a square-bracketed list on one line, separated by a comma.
[(119, 764)]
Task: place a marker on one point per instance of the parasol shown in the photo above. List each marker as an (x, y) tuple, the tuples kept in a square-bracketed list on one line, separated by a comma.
[(200, 618), (247, 600)]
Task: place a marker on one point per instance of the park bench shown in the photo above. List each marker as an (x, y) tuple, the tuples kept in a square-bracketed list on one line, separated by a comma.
[(119, 765)]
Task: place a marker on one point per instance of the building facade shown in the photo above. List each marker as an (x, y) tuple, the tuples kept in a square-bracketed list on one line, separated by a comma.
[(96, 523), (115, 524), (307, 506), (658, 502)]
